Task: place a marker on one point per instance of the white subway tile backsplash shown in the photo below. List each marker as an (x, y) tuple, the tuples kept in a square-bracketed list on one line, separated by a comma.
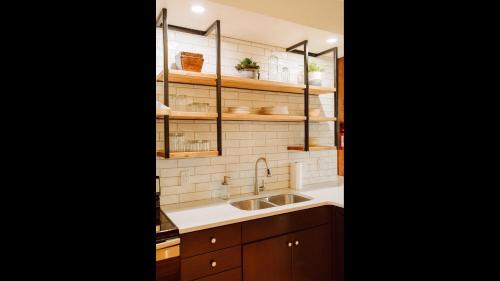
[(243, 141), (169, 199), (186, 197)]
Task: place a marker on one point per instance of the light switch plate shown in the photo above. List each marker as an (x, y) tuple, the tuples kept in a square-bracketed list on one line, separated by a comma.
[(184, 177)]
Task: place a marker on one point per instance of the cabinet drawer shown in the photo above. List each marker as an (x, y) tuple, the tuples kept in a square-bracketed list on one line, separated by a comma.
[(212, 239), (230, 275), (210, 263), (284, 223)]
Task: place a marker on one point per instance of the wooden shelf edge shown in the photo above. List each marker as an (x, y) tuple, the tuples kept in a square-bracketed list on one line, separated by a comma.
[(208, 79), (311, 148), (261, 117), (189, 154), (186, 115), (320, 90), (180, 115), (321, 119)]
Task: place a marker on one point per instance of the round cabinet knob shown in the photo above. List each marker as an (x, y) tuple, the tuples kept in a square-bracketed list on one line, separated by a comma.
[(213, 240), (213, 263), (289, 244), (297, 243)]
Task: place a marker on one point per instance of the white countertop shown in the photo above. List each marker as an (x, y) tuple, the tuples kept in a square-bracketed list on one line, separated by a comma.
[(204, 214)]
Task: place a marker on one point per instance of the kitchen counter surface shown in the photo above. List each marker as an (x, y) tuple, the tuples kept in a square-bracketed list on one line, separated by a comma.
[(198, 215)]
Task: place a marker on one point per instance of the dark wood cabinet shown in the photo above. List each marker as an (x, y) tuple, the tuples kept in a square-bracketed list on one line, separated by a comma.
[(210, 263), (230, 275), (268, 260), (299, 256), (306, 245), (338, 244), (311, 254)]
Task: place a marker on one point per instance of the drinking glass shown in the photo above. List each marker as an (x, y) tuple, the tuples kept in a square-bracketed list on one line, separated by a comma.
[(173, 142), (171, 101), (203, 107), (205, 145), (181, 144), (199, 145)]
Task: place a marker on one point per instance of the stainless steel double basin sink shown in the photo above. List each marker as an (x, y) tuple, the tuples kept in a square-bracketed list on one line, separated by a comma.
[(269, 201)]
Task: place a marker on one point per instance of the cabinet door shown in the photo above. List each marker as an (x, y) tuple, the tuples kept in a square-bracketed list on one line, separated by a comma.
[(311, 254), (268, 260), (168, 269), (339, 244)]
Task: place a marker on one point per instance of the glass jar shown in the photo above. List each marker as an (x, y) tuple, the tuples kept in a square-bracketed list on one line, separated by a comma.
[(285, 74), (272, 71)]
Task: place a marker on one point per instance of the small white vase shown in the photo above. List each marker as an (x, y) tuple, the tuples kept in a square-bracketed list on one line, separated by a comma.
[(252, 74), (315, 78)]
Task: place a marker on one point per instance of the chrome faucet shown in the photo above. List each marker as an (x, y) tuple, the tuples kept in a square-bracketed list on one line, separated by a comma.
[(257, 187)]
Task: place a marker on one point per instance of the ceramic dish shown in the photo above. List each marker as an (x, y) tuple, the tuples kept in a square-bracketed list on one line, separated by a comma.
[(239, 110), (275, 110)]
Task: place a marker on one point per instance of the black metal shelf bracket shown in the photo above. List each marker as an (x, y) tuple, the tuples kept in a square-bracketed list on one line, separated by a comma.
[(161, 22), (306, 89), (292, 49), (166, 121), (218, 85)]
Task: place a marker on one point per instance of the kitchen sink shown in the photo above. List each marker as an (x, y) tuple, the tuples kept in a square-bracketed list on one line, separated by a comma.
[(269, 201), (253, 204), (284, 199)]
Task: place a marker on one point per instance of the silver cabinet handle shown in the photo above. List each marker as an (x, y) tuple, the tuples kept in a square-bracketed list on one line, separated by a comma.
[(213, 240), (296, 242), (289, 244), (213, 264)]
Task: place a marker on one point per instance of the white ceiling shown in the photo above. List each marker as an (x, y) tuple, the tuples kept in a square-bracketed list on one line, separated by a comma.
[(322, 14), (252, 26)]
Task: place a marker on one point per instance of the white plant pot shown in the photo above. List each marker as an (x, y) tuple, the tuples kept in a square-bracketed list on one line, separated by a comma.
[(315, 78), (252, 74)]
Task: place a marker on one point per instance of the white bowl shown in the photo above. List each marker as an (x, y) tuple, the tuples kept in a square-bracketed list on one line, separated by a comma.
[(239, 110), (272, 110)]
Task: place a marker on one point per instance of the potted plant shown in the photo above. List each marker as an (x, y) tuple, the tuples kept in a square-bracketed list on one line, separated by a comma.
[(315, 74), (248, 68)]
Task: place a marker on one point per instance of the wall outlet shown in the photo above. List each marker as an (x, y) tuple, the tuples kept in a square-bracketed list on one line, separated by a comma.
[(184, 177)]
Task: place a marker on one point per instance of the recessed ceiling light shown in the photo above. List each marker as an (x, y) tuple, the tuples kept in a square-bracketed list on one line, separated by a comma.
[(198, 9), (332, 40)]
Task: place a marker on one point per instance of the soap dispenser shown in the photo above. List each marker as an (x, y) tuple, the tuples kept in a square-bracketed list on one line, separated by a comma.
[(224, 192)]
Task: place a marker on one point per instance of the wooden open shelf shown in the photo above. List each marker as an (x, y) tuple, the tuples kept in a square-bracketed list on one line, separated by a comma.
[(262, 85), (320, 90), (182, 115), (185, 115), (197, 78), (321, 119), (189, 154), (188, 77), (259, 117), (312, 148)]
